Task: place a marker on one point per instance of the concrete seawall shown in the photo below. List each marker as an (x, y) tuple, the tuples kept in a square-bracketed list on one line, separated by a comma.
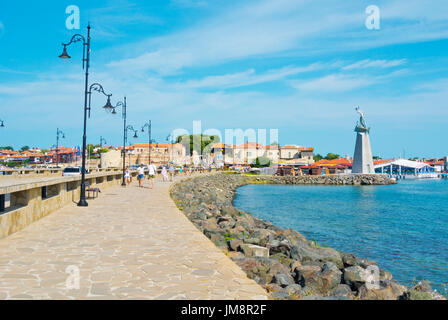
[(33, 198)]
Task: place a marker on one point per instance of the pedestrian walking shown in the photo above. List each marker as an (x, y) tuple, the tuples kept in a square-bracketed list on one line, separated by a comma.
[(171, 171), (164, 174), (141, 175), (127, 176), (152, 170)]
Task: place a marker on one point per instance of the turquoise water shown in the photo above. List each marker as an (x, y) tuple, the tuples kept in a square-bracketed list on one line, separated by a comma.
[(403, 227)]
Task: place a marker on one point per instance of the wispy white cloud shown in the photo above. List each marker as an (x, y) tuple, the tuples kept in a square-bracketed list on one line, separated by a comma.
[(334, 83), (261, 28), (109, 20), (367, 63), (249, 77)]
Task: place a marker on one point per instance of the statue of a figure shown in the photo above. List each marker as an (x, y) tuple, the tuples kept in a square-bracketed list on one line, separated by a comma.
[(361, 126)]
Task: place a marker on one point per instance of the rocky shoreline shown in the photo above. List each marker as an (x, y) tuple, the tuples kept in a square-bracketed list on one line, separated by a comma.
[(283, 261)]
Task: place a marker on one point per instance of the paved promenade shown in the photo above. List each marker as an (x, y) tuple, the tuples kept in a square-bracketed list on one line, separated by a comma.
[(130, 243)]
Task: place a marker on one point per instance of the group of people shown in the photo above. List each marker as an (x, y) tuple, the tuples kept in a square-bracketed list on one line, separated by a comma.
[(167, 174)]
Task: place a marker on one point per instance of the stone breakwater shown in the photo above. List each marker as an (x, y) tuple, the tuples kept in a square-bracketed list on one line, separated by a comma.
[(283, 261)]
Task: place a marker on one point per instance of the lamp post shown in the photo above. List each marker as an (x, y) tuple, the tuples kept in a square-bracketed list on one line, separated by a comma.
[(101, 141), (126, 129), (149, 126), (59, 134), (86, 63), (123, 105)]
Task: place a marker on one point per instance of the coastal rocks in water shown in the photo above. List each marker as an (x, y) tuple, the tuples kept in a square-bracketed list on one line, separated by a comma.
[(331, 276), (283, 279), (349, 259), (262, 270), (423, 291), (316, 280), (283, 261), (355, 277), (251, 250), (342, 290), (386, 290), (277, 246), (235, 244), (306, 252)]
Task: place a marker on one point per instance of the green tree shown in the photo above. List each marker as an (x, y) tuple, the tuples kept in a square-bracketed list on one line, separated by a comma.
[(25, 148), (376, 158), (261, 162), (197, 142), (318, 157), (90, 148), (332, 156), (12, 164), (7, 148)]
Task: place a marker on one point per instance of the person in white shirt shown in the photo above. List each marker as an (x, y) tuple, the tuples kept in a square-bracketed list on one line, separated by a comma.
[(152, 170), (127, 176), (141, 175), (164, 174)]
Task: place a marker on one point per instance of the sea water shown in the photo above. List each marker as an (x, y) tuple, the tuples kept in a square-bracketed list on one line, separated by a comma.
[(403, 227)]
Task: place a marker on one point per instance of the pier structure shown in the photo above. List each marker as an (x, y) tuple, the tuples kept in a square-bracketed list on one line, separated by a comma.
[(129, 243), (362, 159)]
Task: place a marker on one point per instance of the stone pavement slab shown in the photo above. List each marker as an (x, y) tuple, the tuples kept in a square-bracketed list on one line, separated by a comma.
[(130, 243)]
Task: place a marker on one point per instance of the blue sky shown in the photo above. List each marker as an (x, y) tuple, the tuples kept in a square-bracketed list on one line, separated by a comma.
[(299, 66)]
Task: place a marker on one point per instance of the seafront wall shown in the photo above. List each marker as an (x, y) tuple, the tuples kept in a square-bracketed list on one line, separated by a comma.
[(33, 198), (283, 261)]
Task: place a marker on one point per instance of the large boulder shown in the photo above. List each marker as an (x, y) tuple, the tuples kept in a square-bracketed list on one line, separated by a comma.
[(331, 277), (341, 290), (283, 279), (277, 246), (386, 290), (304, 252), (349, 259), (264, 236), (262, 270), (235, 244), (309, 278), (355, 277), (318, 281)]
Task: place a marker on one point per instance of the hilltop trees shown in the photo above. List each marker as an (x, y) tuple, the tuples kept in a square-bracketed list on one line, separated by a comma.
[(329, 156), (196, 142), (261, 162)]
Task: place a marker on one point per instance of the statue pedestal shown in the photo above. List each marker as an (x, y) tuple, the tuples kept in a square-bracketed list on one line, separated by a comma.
[(362, 160)]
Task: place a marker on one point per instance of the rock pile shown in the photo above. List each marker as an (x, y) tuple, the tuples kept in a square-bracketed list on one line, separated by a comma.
[(284, 262)]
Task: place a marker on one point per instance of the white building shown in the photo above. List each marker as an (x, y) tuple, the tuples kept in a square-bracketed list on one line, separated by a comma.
[(406, 169)]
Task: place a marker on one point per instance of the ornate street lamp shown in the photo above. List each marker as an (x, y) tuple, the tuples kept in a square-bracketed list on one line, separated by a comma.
[(59, 134), (123, 106), (87, 97), (149, 126)]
